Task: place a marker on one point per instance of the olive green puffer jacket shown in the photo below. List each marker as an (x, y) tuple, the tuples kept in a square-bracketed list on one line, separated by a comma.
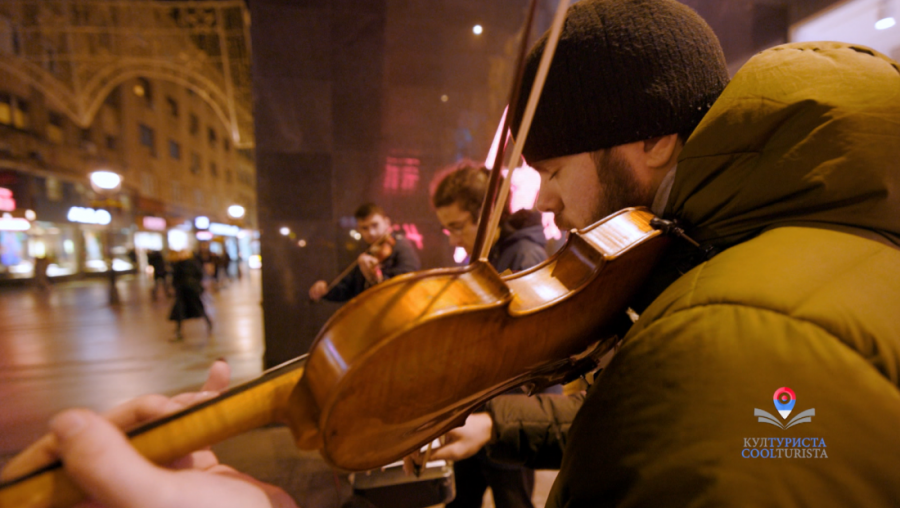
[(795, 175)]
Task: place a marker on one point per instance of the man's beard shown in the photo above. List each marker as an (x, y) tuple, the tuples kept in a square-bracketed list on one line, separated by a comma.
[(619, 187)]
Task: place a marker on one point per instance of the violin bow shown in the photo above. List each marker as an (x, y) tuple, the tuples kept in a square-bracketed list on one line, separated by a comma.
[(494, 199)]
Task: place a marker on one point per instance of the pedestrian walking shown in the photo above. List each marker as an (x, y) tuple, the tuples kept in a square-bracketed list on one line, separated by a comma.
[(160, 273), (40, 273), (187, 279)]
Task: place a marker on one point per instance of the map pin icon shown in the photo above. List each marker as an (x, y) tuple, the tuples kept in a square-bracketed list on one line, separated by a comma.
[(784, 401)]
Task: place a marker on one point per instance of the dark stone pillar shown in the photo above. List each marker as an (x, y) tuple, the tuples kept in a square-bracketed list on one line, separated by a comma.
[(317, 86), (356, 101)]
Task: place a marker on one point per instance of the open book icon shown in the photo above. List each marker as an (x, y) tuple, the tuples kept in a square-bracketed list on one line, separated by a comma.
[(804, 417)]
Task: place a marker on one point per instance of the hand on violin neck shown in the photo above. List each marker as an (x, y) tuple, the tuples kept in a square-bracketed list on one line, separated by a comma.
[(45, 451), (113, 474)]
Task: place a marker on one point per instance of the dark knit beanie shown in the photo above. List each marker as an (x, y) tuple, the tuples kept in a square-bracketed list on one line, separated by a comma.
[(624, 71)]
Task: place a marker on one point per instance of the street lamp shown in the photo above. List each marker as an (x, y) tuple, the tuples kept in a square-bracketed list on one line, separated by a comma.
[(235, 211), (107, 183)]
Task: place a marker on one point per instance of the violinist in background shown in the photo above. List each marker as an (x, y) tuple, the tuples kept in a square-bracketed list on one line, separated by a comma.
[(388, 254), (519, 244)]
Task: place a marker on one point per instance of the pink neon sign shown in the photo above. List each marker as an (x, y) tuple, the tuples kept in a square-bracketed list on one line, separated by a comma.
[(154, 223), (412, 233), (7, 203), (401, 174), (525, 185)]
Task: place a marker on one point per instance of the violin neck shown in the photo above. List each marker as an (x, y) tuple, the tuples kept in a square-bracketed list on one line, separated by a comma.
[(243, 408)]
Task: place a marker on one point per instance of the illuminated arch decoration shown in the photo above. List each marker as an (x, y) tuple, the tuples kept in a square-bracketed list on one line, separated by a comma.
[(75, 52)]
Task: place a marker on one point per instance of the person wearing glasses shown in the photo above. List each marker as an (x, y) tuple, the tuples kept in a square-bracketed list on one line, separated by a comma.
[(518, 244)]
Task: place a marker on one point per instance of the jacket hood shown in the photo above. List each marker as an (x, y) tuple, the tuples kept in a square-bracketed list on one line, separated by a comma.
[(524, 224), (805, 134)]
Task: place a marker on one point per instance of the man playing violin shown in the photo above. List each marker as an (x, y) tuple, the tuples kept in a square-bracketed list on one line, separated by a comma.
[(388, 254), (791, 287), (787, 180)]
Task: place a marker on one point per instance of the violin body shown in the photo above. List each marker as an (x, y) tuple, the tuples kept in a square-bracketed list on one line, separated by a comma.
[(410, 358)]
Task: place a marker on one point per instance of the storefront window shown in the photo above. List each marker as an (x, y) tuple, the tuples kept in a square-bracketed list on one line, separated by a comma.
[(94, 260), (57, 244), (124, 257), (14, 261), (178, 240)]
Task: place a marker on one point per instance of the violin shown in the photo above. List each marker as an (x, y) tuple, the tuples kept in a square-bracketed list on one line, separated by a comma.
[(408, 359), (383, 247)]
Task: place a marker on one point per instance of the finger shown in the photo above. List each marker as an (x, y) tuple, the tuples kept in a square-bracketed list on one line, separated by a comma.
[(454, 450), (218, 377), (99, 458), (141, 409), (36, 456), (409, 466), (202, 460), (183, 400)]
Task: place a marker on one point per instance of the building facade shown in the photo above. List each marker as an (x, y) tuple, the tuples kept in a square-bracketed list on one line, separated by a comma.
[(156, 92)]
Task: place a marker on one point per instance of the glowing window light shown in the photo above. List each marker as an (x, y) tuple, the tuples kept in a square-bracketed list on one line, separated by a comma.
[(551, 232), (477, 29), (885, 15), (524, 188), (88, 216), (217, 228), (236, 211), (9, 223), (284, 231), (106, 180), (495, 144), (460, 255), (885, 23)]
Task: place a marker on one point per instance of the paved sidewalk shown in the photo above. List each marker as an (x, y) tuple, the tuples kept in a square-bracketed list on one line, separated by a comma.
[(69, 348)]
